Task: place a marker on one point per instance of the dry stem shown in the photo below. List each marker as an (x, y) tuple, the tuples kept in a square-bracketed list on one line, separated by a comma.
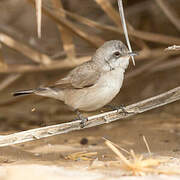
[(169, 12), (38, 16), (66, 36), (26, 50), (108, 117)]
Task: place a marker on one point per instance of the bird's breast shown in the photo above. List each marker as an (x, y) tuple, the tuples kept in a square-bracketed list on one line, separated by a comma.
[(98, 95), (110, 83)]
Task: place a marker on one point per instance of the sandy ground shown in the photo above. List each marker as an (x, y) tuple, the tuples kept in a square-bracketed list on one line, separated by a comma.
[(47, 158)]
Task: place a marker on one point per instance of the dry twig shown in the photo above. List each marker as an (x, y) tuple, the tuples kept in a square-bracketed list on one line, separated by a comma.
[(27, 51), (3, 64), (169, 12), (148, 36), (173, 63), (108, 117), (121, 11), (111, 12), (150, 65), (172, 48), (38, 16), (8, 80), (90, 38), (138, 165), (66, 36), (147, 145), (113, 15), (63, 64), (20, 36)]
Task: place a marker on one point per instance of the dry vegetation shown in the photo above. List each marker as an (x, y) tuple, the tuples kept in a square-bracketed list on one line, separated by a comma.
[(37, 49)]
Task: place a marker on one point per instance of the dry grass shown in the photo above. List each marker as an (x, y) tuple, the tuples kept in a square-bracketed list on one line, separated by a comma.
[(39, 16), (134, 164), (85, 156)]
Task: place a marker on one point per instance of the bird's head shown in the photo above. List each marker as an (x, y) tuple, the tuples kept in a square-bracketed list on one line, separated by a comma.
[(111, 55)]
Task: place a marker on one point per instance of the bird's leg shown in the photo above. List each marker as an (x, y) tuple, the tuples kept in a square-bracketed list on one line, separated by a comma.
[(115, 107), (82, 118)]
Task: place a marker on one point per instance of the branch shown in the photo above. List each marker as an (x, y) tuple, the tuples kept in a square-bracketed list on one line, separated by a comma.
[(9, 80), (63, 64), (172, 48), (107, 117), (174, 63), (90, 38), (142, 35), (66, 35), (169, 12), (25, 50)]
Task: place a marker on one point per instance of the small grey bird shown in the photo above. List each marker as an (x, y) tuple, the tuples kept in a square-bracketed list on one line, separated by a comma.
[(93, 84)]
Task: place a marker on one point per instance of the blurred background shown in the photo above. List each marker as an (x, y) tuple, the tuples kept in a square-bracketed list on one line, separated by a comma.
[(71, 32)]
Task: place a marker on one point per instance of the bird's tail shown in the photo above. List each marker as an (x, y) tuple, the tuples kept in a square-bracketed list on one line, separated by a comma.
[(45, 91), (23, 92)]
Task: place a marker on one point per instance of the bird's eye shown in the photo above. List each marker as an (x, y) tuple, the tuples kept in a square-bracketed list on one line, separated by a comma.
[(117, 53)]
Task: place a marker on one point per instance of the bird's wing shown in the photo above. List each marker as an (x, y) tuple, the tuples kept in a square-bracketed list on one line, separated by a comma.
[(84, 75)]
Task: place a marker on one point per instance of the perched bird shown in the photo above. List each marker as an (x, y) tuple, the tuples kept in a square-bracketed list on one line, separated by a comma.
[(93, 84)]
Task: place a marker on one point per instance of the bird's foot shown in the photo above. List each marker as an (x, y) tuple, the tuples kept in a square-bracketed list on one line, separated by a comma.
[(82, 118), (83, 122), (119, 107)]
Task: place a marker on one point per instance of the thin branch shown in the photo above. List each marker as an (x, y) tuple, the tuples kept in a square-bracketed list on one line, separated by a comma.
[(3, 64), (20, 36), (123, 21), (90, 38), (108, 117), (111, 12), (94, 24), (155, 37), (155, 53), (66, 35), (9, 80), (169, 12), (26, 50), (61, 64), (173, 48), (147, 36), (144, 68), (173, 63), (38, 16), (114, 16)]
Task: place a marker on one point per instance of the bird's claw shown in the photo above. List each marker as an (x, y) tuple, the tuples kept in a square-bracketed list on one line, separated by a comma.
[(83, 122), (122, 107), (82, 118)]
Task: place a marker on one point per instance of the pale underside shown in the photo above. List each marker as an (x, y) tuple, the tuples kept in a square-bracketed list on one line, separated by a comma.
[(89, 97)]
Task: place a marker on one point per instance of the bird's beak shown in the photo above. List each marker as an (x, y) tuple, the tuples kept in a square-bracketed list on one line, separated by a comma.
[(132, 54)]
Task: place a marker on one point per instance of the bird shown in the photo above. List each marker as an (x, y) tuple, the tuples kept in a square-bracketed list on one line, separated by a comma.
[(93, 84)]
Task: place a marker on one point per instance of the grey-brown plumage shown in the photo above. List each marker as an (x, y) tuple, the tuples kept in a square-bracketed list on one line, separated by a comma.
[(84, 75), (93, 84)]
